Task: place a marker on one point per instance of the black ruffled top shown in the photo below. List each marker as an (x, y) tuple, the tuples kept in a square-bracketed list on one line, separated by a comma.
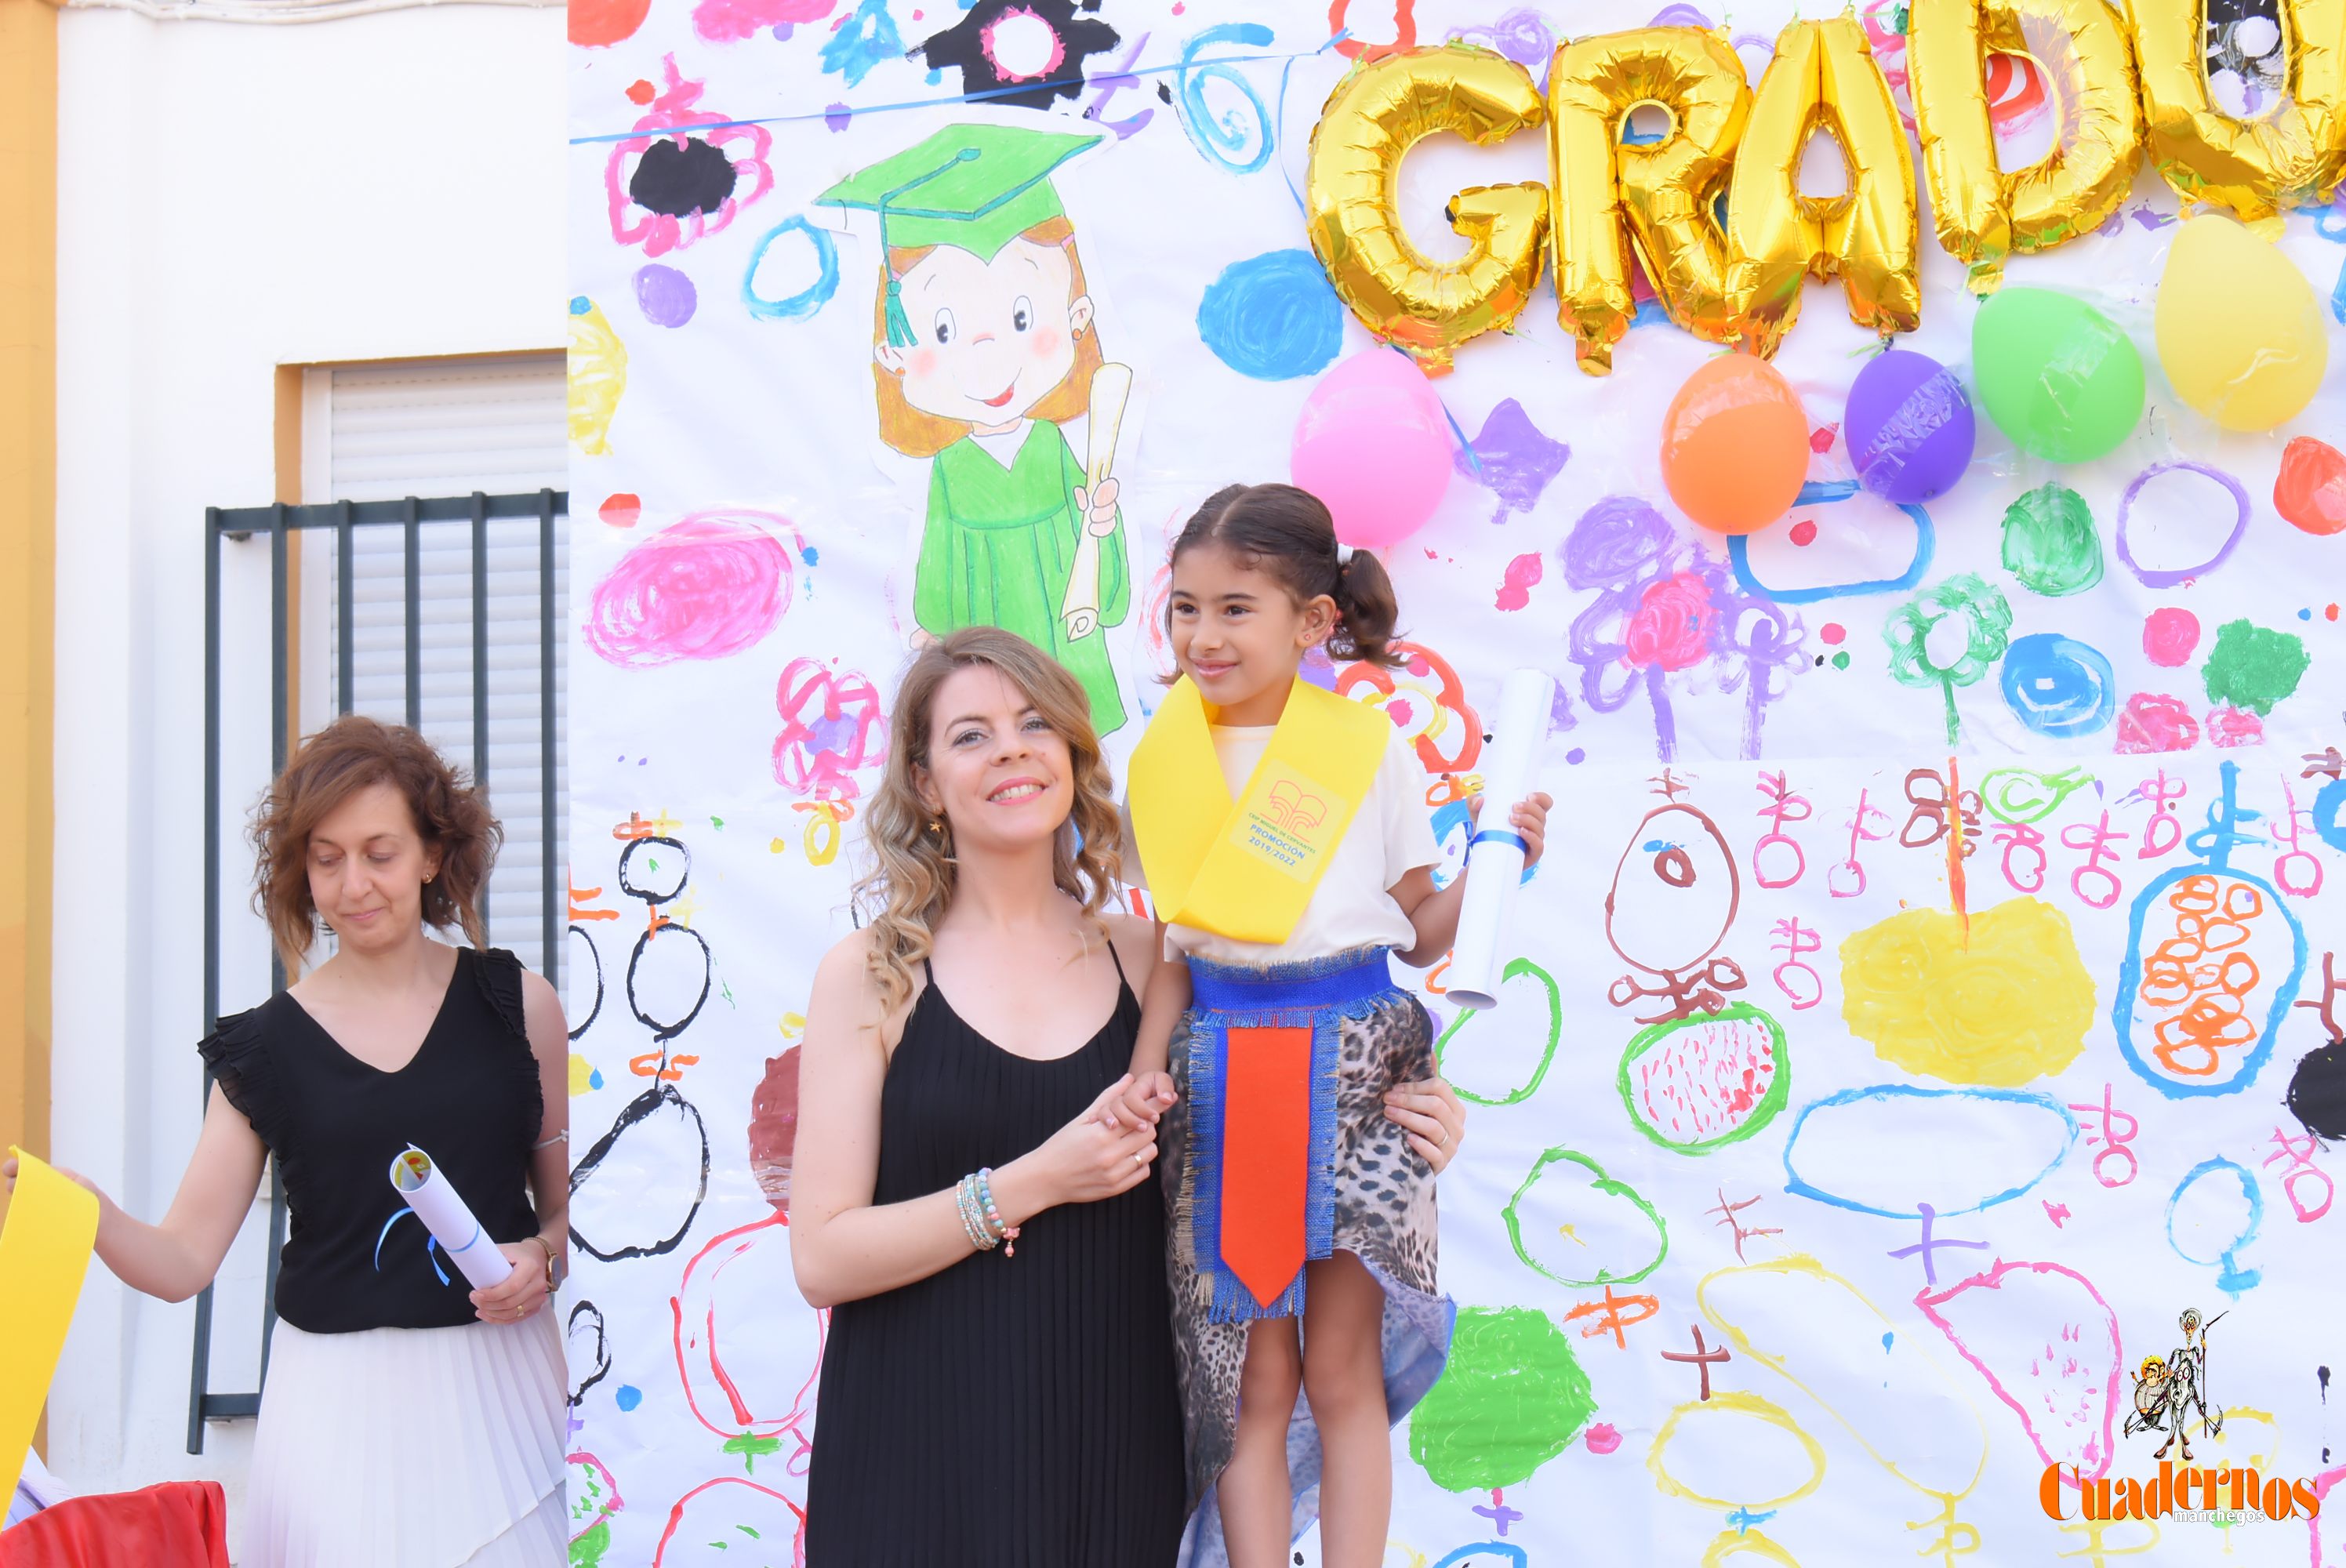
[(354, 1257)]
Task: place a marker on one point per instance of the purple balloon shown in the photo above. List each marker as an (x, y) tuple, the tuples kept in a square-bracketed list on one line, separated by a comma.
[(666, 295), (1908, 427)]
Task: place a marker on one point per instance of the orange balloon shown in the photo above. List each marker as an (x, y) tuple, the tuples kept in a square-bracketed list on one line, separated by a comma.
[(1734, 444)]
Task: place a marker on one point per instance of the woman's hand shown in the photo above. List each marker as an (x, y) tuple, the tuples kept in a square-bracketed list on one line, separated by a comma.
[(1090, 1158), (1430, 1111), (522, 1292), (8, 1175)]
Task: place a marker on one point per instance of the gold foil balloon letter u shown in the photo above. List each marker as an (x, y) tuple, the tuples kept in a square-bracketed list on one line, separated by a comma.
[(2258, 167)]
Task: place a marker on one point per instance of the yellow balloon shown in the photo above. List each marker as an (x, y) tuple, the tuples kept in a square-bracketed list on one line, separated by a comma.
[(1374, 117), (1660, 195), (2081, 49), (2240, 334), (2258, 168), (1824, 74)]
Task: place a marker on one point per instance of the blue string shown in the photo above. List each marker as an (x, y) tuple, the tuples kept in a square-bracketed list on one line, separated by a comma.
[(978, 97)]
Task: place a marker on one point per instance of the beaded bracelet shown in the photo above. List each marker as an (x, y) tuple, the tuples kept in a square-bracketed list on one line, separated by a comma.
[(973, 1219), (1008, 1233)]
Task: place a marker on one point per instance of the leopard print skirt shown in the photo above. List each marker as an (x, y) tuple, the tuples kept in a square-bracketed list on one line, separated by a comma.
[(1385, 1216)]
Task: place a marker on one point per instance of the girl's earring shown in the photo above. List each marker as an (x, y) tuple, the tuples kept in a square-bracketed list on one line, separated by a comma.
[(943, 834)]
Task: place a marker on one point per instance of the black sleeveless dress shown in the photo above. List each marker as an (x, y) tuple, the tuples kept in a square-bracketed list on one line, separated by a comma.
[(1008, 1413)]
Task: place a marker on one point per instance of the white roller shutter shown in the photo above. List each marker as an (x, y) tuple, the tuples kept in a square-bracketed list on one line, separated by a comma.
[(438, 428)]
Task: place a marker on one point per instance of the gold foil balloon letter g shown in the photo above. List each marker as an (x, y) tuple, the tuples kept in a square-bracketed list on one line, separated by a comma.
[(1374, 117)]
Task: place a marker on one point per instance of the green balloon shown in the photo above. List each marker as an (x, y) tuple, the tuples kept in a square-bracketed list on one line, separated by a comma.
[(2056, 375)]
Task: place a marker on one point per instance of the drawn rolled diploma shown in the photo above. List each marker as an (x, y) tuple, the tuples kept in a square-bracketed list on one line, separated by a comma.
[(1111, 385), (444, 1213), (1495, 852)]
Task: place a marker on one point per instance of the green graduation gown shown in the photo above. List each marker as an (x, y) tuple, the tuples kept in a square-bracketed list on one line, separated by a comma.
[(1000, 546)]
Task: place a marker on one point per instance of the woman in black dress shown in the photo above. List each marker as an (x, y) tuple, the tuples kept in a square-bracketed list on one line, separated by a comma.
[(998, 1384)]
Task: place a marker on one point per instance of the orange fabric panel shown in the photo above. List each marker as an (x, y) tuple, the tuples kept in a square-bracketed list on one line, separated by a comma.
[(1266, 1156)]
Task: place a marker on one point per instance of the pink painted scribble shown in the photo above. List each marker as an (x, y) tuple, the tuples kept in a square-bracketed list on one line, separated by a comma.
[(1010, 72), (710, 587), (600, 1509), (1523, 574), (2047, 1343), (731, 21), (1672, 626), (832, 725), (2151, 722), (2335, 1556), (1603, 1438), (673, 116), (2234, 727)]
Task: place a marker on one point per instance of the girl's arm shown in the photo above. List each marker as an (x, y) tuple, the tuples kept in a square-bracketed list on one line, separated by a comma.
[(1433, 914), (1166, 998), (843, 1246), (175, 1259), (535, 1260)]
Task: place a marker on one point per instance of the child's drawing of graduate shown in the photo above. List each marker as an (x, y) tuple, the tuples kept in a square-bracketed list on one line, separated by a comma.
[(983, 345)]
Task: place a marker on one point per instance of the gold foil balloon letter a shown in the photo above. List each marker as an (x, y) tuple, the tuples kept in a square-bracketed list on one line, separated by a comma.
[(1823, 78)]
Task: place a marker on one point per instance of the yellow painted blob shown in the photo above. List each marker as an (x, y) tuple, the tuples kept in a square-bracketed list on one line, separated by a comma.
[(599, 374), (2005, 1003), (582, 1073)]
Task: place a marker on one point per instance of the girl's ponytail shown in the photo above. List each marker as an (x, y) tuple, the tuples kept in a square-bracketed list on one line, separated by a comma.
[(1364, 594), (1287, 532)]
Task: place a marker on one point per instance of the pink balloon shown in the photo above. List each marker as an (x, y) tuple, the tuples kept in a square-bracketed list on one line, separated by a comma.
[(1373, 445)]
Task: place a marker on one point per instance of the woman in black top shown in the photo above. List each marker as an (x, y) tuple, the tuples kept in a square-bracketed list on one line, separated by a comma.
[(408, 1420), (990, 1399)]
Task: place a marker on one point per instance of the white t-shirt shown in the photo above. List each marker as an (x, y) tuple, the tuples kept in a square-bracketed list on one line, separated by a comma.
[(1391, 835)]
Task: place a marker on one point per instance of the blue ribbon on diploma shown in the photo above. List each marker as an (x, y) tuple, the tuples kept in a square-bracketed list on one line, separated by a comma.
[(1503, 836)]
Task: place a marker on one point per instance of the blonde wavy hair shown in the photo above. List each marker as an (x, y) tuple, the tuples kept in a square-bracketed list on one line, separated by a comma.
[(912, 878)]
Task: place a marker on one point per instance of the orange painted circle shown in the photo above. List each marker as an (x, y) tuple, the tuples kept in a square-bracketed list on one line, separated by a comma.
[(1734, 444)]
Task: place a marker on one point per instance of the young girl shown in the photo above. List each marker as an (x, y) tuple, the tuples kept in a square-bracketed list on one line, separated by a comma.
[(1284, 835)]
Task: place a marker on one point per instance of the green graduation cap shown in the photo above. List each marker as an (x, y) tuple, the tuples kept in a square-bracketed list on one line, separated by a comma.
[(976, 186)]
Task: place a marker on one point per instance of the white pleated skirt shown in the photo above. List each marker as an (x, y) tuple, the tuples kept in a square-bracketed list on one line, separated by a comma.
[(410, 1448)]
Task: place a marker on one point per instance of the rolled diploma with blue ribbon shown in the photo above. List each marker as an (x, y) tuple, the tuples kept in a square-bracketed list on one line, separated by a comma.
[(445, 1214), (1494, 855)]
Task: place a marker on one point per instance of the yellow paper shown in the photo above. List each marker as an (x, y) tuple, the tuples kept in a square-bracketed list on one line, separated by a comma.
[(45, 1250), (1245, 868)]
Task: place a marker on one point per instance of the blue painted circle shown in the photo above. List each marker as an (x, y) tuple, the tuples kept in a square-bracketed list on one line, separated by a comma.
[(797, 307), (1273, 317), (2059, 686)]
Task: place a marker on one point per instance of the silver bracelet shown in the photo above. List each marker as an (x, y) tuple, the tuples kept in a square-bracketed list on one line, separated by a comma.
[(561, 1137)]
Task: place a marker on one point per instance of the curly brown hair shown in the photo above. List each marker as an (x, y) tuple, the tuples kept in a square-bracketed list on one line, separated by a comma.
[(346, 757), (911, 876)]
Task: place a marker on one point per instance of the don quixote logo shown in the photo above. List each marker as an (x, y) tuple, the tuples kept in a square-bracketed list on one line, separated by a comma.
[(2171, 1396)]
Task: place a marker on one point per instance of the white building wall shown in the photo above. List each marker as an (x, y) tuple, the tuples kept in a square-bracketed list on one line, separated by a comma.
[(230, 199)]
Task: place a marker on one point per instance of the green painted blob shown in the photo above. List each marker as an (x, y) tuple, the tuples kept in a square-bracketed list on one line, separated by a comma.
[(1513, 1397), (587, 1550), (2254, 669), (2050, 543)]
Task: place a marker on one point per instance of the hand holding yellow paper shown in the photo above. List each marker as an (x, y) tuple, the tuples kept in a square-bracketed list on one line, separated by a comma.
[(45, 1249)]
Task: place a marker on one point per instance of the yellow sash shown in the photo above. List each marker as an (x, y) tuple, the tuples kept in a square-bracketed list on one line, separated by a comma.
[(44, 1251), (1245, 869)]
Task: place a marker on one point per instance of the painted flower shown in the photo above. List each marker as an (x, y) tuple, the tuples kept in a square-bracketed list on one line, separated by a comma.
[(1673, 625), (668, 188), (1949, 635)]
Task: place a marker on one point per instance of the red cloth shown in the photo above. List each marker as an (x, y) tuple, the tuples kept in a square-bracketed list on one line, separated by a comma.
[(178, 1524)]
